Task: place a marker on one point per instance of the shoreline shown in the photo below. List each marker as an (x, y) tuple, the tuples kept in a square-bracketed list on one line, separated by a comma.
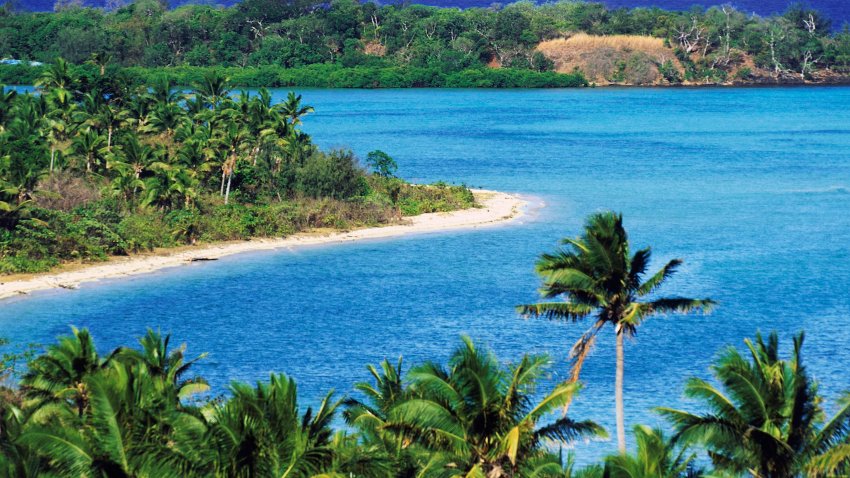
[(494, 208)]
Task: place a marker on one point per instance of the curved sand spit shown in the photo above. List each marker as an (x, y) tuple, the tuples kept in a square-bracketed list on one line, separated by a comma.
[(497, 208)]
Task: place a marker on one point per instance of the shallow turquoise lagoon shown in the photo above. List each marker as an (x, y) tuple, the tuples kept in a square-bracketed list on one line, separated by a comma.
[(750, 186)]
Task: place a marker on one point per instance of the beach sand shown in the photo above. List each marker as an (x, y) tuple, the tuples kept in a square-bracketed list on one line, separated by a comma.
[(496, 208)]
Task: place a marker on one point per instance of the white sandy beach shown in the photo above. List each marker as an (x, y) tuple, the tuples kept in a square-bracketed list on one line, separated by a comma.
[(496, 208)]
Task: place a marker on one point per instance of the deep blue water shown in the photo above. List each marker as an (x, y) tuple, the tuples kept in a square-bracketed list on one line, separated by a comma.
[(750, 186), (837, 10)]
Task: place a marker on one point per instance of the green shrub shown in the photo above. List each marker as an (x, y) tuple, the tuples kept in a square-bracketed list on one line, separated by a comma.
[(227, 222), (145, 232), (334, 175), (744, 73), (669, 72)]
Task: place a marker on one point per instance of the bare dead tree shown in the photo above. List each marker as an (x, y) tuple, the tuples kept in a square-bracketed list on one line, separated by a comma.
[(775, 37), (690, 36), (727, 37), (430, 28), (808, 56), (376, 24), (810, 24)]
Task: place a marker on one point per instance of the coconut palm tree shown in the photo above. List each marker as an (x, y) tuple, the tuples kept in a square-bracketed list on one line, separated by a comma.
[(91, 147), (125, 182), (596, 275), (165, 118), (59, 375), (163, 92), (138, 107), (138, 155), (479, 418), (110, 117), (60, 122), (260, 432), (170, 187), (6, 102), (56, 76), (293, 109), (20, 177), (231, 141), (127, 429), (370, 417), (169, 365), (12, 209), (213, 88), (656, 456), (100, 60), (765, 419)]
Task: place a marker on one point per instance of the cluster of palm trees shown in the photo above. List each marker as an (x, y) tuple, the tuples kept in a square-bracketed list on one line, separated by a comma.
[(153, 145), (136, 413), (131, 413)]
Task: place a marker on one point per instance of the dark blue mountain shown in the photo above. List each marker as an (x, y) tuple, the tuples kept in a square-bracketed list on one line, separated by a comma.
[(837, 10)]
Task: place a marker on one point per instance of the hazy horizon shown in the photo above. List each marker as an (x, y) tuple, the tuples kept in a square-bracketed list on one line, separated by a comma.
[(837, 10)]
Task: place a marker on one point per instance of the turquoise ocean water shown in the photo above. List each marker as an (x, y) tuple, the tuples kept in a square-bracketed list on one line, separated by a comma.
[(750, 186)]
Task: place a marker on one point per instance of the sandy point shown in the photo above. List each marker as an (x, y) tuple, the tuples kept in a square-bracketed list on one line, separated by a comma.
[(494, 208)]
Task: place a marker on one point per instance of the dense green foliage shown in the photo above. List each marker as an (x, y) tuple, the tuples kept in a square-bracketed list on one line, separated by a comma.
[(130, 413), (137, 412), (766, 418), (95, 166), (333, 76), (345, 43)]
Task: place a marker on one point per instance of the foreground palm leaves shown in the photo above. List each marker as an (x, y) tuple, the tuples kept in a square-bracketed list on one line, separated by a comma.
[(766, 418), (131, 413), (135, 413), (475, 417)]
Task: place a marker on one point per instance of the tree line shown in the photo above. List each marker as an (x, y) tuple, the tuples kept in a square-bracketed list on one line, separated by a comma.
[(96, 164), (137, 411), (436, 43)]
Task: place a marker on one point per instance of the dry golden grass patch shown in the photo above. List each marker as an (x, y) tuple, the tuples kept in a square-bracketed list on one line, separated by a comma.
[(374, 48), (599, 57), (620, 42)]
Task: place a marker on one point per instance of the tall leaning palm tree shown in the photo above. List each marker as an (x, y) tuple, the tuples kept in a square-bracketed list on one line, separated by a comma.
[(597, 276), (766, 419)]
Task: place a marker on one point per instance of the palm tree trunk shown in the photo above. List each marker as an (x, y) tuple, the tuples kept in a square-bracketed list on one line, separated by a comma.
[(618, 396), (221, 190), (52, 156), (227, 192), (109, 139)]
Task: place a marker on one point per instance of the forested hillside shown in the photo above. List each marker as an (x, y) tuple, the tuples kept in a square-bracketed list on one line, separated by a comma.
[(367, 45)]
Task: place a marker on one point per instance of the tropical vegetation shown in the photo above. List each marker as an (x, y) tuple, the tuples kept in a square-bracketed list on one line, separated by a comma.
[(96, 165), (347, 43), (145, 412)]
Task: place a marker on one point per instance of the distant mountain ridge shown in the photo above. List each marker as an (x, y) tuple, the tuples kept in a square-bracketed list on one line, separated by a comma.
[(837, 10)]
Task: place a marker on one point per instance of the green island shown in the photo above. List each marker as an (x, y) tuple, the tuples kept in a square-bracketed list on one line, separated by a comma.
[(345, 43), (139, 411), (99, 166)]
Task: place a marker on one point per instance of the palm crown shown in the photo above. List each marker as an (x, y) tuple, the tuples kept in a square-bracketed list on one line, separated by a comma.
[(597, 276), (765, 419)]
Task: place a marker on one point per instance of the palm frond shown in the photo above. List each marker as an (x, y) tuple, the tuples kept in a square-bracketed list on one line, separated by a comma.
[(561, 311)]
